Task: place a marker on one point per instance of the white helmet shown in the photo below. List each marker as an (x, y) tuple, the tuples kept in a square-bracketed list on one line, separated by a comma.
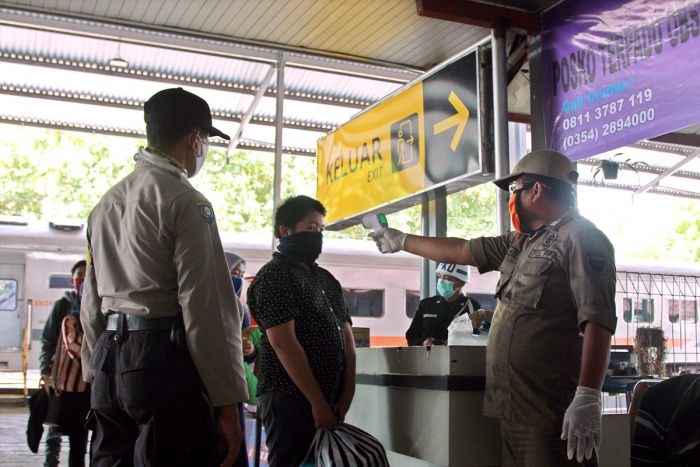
[(455, 270)]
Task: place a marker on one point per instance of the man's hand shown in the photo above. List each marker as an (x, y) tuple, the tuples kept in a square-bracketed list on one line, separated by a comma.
[(479, 316), (230, 433), (324, 418), (428, 342), (389, 240), (248, 347), (343, 405), (47, 379), (582, 424)]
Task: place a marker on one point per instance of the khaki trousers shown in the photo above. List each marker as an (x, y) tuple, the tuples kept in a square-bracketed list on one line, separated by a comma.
[(529, 446)]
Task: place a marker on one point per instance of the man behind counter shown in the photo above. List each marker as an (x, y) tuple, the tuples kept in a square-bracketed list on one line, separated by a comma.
[(434, 314)]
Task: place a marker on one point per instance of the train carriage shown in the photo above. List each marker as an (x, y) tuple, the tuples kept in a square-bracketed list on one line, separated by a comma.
[(381, 290)]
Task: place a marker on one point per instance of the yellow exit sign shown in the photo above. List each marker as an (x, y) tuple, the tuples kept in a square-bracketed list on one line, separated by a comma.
[(424, 136)]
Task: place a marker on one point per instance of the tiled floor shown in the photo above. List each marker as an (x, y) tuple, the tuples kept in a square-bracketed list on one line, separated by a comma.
[(13, 441)]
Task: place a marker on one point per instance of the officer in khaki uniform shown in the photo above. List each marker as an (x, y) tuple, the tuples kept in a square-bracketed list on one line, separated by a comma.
[(162, 323), (550, 337)]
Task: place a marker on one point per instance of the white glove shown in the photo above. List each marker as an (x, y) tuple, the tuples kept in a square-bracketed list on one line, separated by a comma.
[(582, 424), (389, 240)]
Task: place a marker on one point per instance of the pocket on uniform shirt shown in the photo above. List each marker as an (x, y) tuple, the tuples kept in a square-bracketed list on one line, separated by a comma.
[(527, 290), (502, 282)]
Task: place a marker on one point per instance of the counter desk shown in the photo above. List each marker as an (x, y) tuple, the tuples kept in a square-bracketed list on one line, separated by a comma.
[(426, 408), (427, 404)]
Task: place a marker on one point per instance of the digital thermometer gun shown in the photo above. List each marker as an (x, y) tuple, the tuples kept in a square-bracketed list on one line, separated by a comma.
[(374, 221)]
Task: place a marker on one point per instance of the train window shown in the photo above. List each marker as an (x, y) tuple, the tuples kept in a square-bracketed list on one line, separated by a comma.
[(641, 312), (8, 295), (412, 301), (366, 303), (684, 310), (60, 281)]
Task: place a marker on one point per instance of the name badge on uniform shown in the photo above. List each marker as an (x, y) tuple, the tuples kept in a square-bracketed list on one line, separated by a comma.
[(430, 315), (206, 211), (548, 254)]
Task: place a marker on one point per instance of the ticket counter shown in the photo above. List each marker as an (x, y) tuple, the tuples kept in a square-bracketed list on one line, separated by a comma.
[(427, 405), (426, 408)]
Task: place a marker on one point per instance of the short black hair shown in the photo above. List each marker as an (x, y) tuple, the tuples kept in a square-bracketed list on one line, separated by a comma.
[(294, 209), (80, 264), (560, 191), (165, 136)]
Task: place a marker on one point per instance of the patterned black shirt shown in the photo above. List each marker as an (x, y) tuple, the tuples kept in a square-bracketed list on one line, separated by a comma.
[(285, 290)]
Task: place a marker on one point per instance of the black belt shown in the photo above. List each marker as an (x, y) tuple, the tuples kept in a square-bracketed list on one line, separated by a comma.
[(137, 323)]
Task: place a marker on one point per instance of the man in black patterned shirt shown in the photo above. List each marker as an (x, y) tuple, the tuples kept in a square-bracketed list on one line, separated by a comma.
[(307, 353)]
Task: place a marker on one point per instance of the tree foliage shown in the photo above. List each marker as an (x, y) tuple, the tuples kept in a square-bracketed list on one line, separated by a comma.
[(50, 174)]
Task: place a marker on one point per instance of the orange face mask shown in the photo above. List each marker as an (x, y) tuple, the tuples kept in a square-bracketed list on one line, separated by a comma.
[(514, 218)]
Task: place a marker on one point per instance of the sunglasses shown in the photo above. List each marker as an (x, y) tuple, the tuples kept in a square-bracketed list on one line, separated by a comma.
[(514, 189)]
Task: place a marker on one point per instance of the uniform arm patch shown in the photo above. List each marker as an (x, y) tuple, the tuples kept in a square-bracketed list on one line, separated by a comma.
[(597, 265), (205, 211)]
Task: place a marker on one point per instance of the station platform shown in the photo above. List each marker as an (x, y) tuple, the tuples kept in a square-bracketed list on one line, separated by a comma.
[(13, 441)]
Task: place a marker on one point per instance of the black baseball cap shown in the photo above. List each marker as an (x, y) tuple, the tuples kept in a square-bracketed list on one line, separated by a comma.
[(176, 107)]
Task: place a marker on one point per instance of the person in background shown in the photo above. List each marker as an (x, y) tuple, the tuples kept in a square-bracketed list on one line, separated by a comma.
[(50, 336), (307, 353), (549, 342), (236, 264), (162, 337), (251, 342), (66, 378), (434, 314)]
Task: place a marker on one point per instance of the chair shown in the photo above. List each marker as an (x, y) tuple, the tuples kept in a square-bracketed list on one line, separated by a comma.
[(665, 429), (638, 392)]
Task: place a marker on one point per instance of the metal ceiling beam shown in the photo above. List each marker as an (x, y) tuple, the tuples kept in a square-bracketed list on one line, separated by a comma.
[(249, 113), (658, 146), (129, 133), (479, 14), (153, 76), (205, 43), (132, 104), (646, 169), (668, 172), (684, 139), (656, 190)]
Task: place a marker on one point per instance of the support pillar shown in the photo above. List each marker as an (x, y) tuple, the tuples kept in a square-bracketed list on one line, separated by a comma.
[(500, 121), (279, 123), (433, 224)]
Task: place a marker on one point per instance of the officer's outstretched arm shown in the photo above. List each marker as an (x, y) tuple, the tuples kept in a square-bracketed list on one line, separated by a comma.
[(442, 249), (450, 250)]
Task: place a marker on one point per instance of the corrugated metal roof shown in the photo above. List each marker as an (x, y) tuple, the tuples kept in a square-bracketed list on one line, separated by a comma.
[(386, 30), (74, 55), (73, 72)]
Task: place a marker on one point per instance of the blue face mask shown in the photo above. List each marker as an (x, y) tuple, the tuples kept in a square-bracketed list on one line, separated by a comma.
[(445, 288)]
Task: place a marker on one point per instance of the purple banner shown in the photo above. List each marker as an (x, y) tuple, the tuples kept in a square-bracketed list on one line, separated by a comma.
[(616, 72)]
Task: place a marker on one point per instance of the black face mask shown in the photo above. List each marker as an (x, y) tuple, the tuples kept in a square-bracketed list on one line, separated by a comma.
[(304, 246)]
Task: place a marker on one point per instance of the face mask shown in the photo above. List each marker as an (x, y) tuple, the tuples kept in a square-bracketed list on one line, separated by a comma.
[(199, 158), (445, 289), (237, 285), (305, 246)]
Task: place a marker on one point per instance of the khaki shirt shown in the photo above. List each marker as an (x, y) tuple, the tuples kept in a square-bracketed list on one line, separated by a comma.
[(551, 285), (155, 252)]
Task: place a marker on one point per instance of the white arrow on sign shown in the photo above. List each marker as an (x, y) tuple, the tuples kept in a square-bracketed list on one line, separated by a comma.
[(459, 120)]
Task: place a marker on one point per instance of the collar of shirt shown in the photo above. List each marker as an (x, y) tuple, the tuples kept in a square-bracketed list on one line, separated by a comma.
[(290, 259), (555, 224), (568, 216), (460, 300), (162, 160)]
